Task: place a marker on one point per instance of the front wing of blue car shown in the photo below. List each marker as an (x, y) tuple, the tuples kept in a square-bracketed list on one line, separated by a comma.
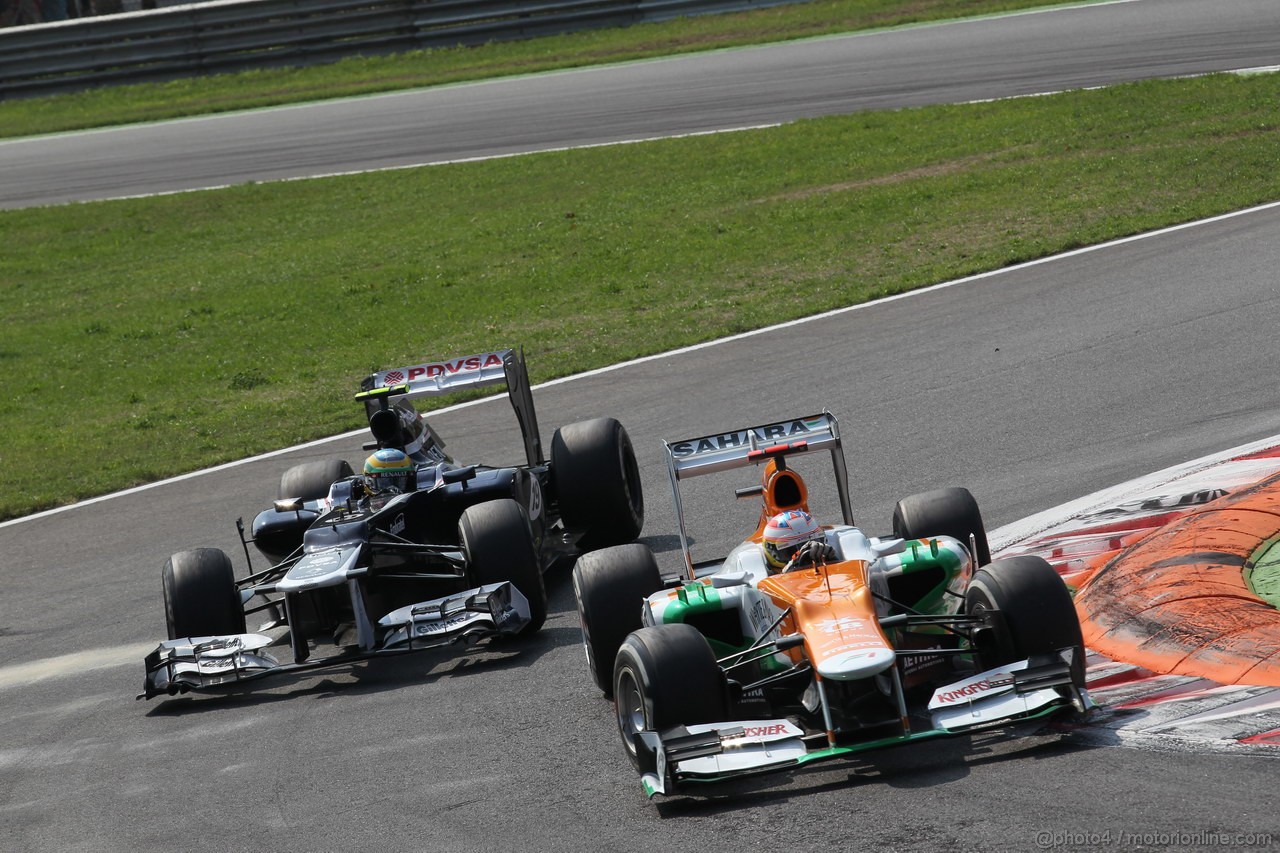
[(225, 663)]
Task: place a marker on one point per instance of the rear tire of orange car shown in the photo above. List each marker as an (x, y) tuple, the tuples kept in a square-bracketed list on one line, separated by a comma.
[(1035, 613), (665, 676), (200, 595), (943, 512), (610, 586)]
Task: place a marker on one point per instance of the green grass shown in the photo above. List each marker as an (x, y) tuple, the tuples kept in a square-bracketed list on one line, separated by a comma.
[(193, 329), (149, 102)]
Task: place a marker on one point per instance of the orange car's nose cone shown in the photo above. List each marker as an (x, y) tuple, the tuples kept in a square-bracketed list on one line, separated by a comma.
[(856, 664), (835, 612)]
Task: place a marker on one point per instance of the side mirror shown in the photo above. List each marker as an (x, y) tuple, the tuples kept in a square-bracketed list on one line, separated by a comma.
[(728, 579), (885, 547), (459, 475)]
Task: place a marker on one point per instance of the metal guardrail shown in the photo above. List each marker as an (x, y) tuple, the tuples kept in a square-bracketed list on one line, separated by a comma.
[(235, 35)]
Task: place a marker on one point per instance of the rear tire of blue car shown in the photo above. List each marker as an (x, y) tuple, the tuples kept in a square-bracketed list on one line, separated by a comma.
[(943, 512), (1035, 614), (665, 676), (597, 482), (498, 545), (311, 480), (610, 586), (200, 595)]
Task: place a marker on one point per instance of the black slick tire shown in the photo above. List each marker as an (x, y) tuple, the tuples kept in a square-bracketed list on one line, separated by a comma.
[(311, 480), (609, 586), (664, 676), (597, 482), (498, 544), (1036, 615), (943, 512), (200, 595)]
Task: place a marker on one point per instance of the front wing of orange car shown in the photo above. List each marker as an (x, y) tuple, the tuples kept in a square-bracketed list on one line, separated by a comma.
[(717, 752)]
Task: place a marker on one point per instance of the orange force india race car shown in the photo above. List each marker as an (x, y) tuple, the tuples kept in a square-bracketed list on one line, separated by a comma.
[(793, 651)]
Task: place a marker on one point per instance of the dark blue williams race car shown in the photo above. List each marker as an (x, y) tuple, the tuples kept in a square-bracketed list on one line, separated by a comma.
[(416, 551)]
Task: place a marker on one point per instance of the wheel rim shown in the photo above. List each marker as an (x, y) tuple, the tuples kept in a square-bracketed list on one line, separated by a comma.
[(994, 651), (630, 709)]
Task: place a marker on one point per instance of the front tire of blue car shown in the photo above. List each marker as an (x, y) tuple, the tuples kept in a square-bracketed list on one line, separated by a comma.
[(200, 595), (665, 676), (498, 544)]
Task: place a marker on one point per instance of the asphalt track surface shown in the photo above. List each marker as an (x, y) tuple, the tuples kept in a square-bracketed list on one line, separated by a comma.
[(1031, 387), (1001, 57)]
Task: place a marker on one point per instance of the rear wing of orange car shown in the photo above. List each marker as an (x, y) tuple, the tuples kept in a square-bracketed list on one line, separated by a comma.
[(757, 445)]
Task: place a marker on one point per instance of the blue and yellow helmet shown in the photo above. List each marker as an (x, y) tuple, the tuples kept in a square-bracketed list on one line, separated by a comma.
[(390, 470)]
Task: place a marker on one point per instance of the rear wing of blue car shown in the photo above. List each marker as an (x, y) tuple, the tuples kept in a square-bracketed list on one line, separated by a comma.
[(435, 378), (709, 454)]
